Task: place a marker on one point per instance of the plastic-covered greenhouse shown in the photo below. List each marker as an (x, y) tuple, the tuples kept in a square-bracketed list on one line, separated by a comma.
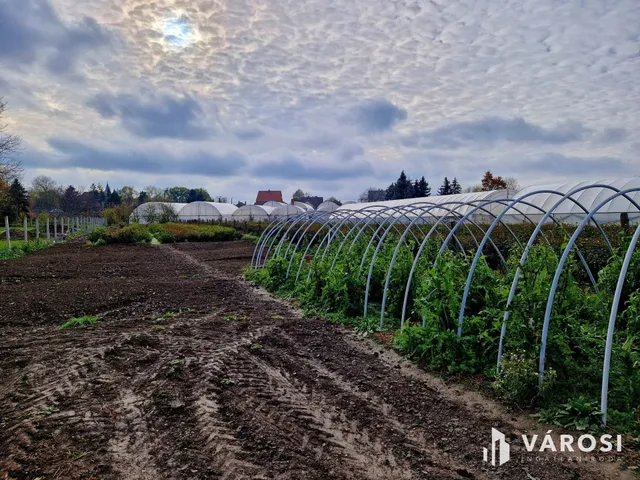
[(273, 203), (287, 211), (444, 232), (152, 212), (248, 213), (327, 206), (206, 212), (305, 206)]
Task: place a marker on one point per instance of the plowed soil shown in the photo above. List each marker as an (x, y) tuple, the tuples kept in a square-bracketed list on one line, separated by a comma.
[(191, 373)]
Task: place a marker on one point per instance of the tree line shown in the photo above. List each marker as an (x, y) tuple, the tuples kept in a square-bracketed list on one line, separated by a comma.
[(404, 187)]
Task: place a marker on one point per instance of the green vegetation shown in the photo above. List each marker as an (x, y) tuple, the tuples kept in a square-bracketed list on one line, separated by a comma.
[(248, 237), (78, 322), (163, 233), (20, 248), (577, 330)]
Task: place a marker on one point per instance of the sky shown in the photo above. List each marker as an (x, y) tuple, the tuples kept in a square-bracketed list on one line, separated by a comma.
[(330, 96)]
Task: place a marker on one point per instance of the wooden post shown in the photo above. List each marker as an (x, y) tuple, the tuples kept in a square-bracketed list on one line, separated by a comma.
[(8, 232), (55, 228), (37, 228), (48, 232), (26, 226)]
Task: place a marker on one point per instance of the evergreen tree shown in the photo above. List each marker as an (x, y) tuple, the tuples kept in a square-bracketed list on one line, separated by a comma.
[(390, 193), (455, 186), (113, 199), (416, 189), (18, 200), (445, 189), (142, 197), (425, 189), (70, 201), (403, 187), (107, 193)]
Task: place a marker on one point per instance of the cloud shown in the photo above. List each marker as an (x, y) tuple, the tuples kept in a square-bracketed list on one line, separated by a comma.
[(292, 168), (155, 116), (613, 135), (558, 164), (490, 130), (375, 116), (161, 162), (31, 29)]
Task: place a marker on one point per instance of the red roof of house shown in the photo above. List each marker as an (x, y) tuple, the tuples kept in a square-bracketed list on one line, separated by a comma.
[(265, 196)]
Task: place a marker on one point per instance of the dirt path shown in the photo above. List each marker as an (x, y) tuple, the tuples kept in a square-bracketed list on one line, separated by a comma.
[(193, 374)]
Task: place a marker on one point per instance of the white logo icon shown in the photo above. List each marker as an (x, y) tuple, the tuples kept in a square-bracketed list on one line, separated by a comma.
[(499, 443)]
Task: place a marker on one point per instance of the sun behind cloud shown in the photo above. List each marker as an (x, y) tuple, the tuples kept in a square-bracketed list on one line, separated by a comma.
[(178, 31)]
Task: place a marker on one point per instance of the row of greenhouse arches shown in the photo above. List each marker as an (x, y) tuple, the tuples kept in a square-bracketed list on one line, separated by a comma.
[(578, 204)]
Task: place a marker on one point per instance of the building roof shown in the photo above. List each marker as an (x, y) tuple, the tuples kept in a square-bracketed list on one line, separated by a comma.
[(269, 195)]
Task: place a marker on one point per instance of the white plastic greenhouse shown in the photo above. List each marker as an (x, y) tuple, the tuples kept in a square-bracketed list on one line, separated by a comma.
[(151, 212), (452, 205), (327, 206), (273, 203), (305, 206), (206, 212), (287, 211), (571, 212), (248, 213)]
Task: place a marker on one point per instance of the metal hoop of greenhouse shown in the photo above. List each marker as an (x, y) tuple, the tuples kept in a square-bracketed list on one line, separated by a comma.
[(546, 279)]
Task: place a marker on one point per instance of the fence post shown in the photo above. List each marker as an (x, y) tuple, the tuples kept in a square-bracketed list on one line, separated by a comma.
[(37, 228), (55, 228), (26, 226), (48, 232), (8, 232)]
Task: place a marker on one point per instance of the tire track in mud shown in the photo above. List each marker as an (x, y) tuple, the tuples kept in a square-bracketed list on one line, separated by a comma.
[(249, 389)]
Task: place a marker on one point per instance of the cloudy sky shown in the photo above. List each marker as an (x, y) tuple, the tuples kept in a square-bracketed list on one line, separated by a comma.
[(330, 96)]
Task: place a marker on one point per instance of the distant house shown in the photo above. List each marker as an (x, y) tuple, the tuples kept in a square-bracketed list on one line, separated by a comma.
[(313, 201), (265, 196)]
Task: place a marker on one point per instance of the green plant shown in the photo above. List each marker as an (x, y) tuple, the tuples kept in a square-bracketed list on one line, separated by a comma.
[(578, 413), (228, 381), (78, 322), (517, 381), (157, 328)]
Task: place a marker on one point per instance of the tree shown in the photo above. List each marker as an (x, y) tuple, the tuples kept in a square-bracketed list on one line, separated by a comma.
[(70, 203), (198, 195), (424, 190), (45, 193), (10, 166), (107, 193), (5, 200), (142, 197), (445, 189), (113, 199), (455, 186), (19, 200), (372, 194), (491, 182), (512, 183), (128, 195), (178, 194), (298, 194), (334, 200)]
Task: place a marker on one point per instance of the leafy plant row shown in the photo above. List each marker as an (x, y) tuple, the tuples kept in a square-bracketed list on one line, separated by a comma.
[(333, 284), (163, 233)]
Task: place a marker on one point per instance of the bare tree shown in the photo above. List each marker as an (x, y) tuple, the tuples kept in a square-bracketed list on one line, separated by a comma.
[(512, 183), (10, 165)]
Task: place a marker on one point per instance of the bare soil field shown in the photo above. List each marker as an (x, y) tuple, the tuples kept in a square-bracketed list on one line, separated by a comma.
[(191, 373)]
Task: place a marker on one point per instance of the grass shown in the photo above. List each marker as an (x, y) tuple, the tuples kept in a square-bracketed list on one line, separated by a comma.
[(20, 248), (78, 322)]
